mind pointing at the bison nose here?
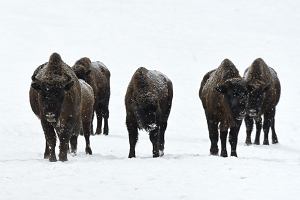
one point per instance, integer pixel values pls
(50, 117)
(252, 113)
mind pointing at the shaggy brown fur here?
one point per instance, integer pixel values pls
(148, 103)
(264, 93)
(98, 76)
(223, 95)
(55, 96)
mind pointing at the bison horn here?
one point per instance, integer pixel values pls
(33, 78)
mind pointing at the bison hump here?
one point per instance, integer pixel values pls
(158, 80)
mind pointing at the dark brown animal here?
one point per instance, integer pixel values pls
(264, 93)
(224, 96)
(148, 103)
(98, 76)
(63, 104)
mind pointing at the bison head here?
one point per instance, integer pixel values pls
(235, 94)
(82, 68)
(81, 72)
(51, 96)
(257, 94)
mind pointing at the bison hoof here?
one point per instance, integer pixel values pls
(63, 157)
(46, 155)
(105, 132)
(248, 142)
(224, 153)
(275, 141)
(155, 155)
(98, 131)
(88, 150)
(214, 152)
(233, 153)
(161, 153)
(257, 142)
(266, 142)
(52, 158)
(73, 153)
(131, 154)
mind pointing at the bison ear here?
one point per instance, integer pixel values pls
(69, 85)
(36, 86)
(221, 88)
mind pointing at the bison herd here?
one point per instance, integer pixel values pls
(65, 99)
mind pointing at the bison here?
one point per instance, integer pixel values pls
(63, 104)
(264, 93)
(224, 96)
(98, 76)
(148, 103)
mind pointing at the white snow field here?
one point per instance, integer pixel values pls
(182, 39)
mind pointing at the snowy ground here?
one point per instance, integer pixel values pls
(182, 39)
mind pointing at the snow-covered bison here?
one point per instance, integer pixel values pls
(224, 96)
(63, 104)
(96, 75)
(264, 93)
(148, 103)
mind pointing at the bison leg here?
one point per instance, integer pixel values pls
(267, 123)
(249, 128)
(73, 142)
(99, 120)
(133, 136)
(105, 115)
(50, 141)
(47, 151)
(87, 132)
(213, 136)
(64, 138)
(92, 128)
(233, 137)
(162, 138)
(274, 135)
(223, 137)
(258, 130)
(155, 139)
